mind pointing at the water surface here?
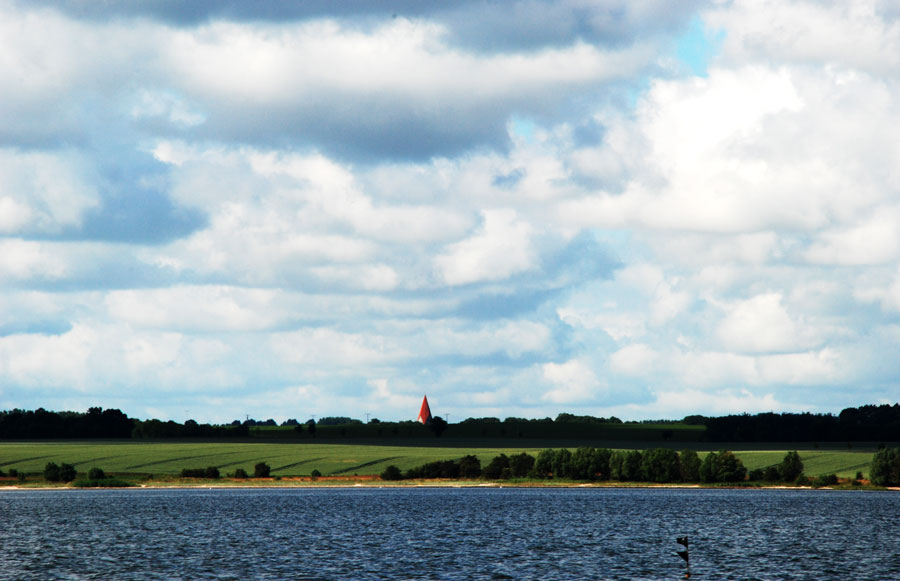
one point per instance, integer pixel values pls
(447, 534)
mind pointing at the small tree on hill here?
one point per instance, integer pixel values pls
(520, 465)
(543, 465)
(631, 467)
(67, 472)
(261, 470)
(885, 468)
(690, 466)
(791, 467)
(729, 467)
(51, 472)
(391, 473)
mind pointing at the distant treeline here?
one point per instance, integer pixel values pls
(41, 424)
(868, 423)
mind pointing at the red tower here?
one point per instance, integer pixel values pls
(425, 412)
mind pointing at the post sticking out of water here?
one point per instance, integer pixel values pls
(685, 554)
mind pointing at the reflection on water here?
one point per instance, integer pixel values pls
(448, 534)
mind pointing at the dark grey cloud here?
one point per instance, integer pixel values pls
(489, 25)
(139, 216)
(359, 128)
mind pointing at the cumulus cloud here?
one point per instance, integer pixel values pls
(501, 248)
(573, 381)
(516, 208)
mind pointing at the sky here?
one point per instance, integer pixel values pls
(639, 208)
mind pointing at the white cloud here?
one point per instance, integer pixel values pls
(501, 248)
(199, 308)
(573, 381)
(635, 360)
(876, 240)
(351, 212)
(762, 325)
(274, 65)
(21, 260)
(43, 192)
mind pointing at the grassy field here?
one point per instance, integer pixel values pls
(171, 458)
(164, 458)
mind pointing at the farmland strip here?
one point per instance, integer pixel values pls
(297, 464)
(363, 465)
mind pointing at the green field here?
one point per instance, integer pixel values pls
(164, 458)
(285, 459)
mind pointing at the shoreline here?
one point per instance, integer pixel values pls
(349, 484)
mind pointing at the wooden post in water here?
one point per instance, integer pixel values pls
(685, 554)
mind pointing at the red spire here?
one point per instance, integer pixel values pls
(425, 412)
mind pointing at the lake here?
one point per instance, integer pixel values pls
(439, 533)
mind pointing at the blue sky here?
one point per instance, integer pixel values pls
(213, 210)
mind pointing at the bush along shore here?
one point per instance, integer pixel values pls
(657, 466)
(654, 466)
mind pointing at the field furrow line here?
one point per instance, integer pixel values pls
(285, 467)
(20, 460)
(176, 459)
(363, 465)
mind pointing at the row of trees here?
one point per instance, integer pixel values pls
(41, 424)
(868, 423)
(659, 465)
(260, 470)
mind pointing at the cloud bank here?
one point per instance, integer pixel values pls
(220, 209)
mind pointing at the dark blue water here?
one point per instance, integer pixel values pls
(447, 534)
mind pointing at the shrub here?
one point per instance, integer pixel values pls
(240, 473)
(825, 480)
(67, 472)
(51, 472)
(497, 469)
(2, 474)
(756, 474)
(96, 474)
(13, 473)
(520, 464)
(209, 472)
(101, 483)
(391, 473)
(261, 470)
(469, 467)
(315, 473)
